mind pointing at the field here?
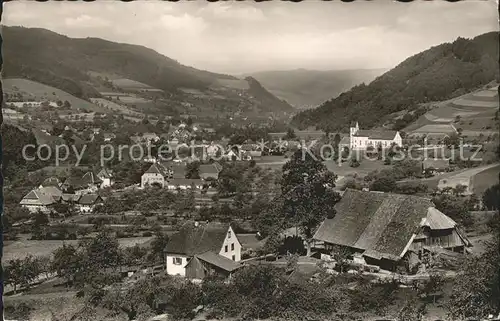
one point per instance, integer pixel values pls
(475, 110)
(487, 178)
(35, 91)
(468, 178)
(23, 248)
(236, 84)
(115, 107)
(129, 84)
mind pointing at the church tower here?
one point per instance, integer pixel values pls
(354, 128)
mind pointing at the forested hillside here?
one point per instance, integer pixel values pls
(61, 61)
(439, 73)
(70, 63)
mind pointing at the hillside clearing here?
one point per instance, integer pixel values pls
(32, 90)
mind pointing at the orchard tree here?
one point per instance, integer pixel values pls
(308, 193)
(21, 272)
(67, 263)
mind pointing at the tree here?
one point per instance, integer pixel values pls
(100, 258)
(337, 139)
(491, 197)
(434, 284)
(477, 287)
(21, 272)
(193, 170)
(290, 134)
(307, 189)
(67, 104)
(67, 263)
(454, 207)
(383, 184)
(459, 190)
(158, 246)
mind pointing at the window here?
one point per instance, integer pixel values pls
(232, 246)
(177, 260)
(229, 234)
(225, 248)
(234, 257)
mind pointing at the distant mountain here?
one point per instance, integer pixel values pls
(69, 63)
(439, 73)
(304, 88)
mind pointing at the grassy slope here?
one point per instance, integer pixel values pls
(36, 91)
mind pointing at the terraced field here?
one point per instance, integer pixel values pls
(475, 112)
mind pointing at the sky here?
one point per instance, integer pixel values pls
(244, 37)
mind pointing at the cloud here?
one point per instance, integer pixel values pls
(86, 21)
(237, 11)
(183, 23)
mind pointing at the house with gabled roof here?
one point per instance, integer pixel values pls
(386, 229)
(41, 199)
(156, 174)
(87, 202)
(202, 249)
(88, 183)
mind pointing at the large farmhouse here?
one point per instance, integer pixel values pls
(199, 250)
(156, 174)
(41, 199)
(362, 139)
(387, 229)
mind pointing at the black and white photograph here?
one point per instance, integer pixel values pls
(250, 160)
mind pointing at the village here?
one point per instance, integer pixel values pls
(209, 211)
(236, 161)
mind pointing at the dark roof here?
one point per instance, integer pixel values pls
(157, 169)
(209, 169)
(179, 170)
(70, 197)
(380, 223)
(376, 134)
(346, 140)
(218, 261)
(251, 241)
(192, 240)
(89, 199)
(75, 182)
(51, 181)
(91, 178)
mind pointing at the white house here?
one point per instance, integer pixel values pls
(361, 139)
(201, 249)
(184, 183)
(157, 173)
(106, 177)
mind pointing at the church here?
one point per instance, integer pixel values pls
(361, 139)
